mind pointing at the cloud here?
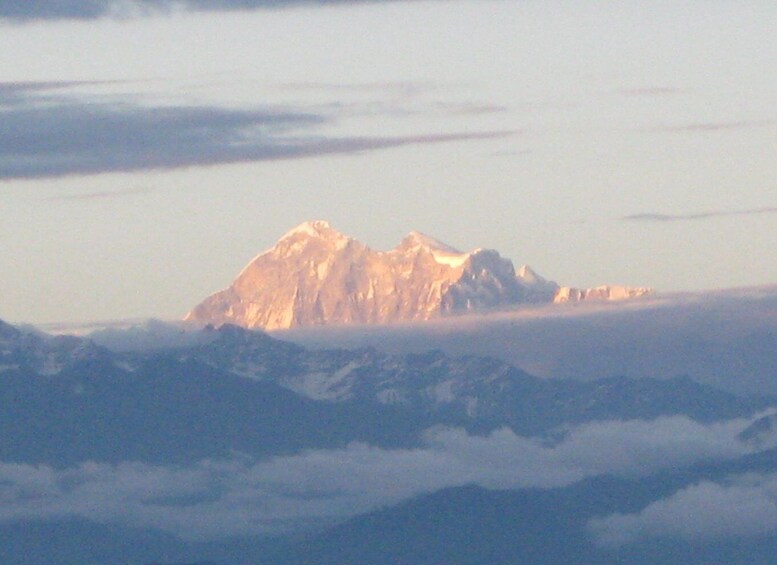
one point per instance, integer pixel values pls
(43, 9)
(743, 506)
(92, 9)
(21, 93)
(510, 153)
(104, 195)
(649, 91)
(61, 136)
(398, 99)
(654, 217)
(243, 496)
(708, 127)
(661, 336)
(13, 87)
(397, 89)
(472, 108)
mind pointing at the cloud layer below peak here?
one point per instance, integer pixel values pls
(741, 507)
(242, 496)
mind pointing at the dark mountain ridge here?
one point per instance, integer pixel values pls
(69, 400)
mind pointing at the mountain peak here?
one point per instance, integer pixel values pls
(315, 275)
(529, 275)
(318, 234)
(416, 239)
(314, 228)
(443, 253)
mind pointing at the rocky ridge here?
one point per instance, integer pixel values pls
(237, 389)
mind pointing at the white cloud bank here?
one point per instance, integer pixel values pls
(743, 506)
(243, 496)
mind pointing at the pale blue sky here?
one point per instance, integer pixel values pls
(535, 128)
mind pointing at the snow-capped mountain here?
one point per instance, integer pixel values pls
(603, 292)
(44, 354)
(238, 390)
(470, 391)
(169, 434)
(315, 275)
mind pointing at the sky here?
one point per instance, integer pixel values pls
(149, 150)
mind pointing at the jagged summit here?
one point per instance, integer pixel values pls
(528, 274)
(315, 228)
(315, 275)
(317, 232)
(418, 240)
(444, 254)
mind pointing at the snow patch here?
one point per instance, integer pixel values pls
(321, 385)
(527, 275)
(321, 270)
(418, 239)
(391, 396)
(450, 259)
(442, 253)
(313, 228)
(443, 392)
(51, 366)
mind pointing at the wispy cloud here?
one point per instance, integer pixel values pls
(104, 194)
(394, 88)
(473, 108)
(28, 10)
(68, 136)
(9, 87)
(649, 91)
(16, 93)
(399, 98)
(510, 153)
(710, 127)
(656, 217)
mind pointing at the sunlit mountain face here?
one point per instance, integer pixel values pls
(315, 275)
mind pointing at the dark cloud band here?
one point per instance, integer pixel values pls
(714, 127)
(72, 137)
(653, 217)
(29, 10)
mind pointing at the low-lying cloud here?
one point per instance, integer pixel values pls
(722, 338)
(743, 506)
(243, 496)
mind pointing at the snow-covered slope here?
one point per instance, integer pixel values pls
(46, 355)
(604, 292)
(315, 275)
